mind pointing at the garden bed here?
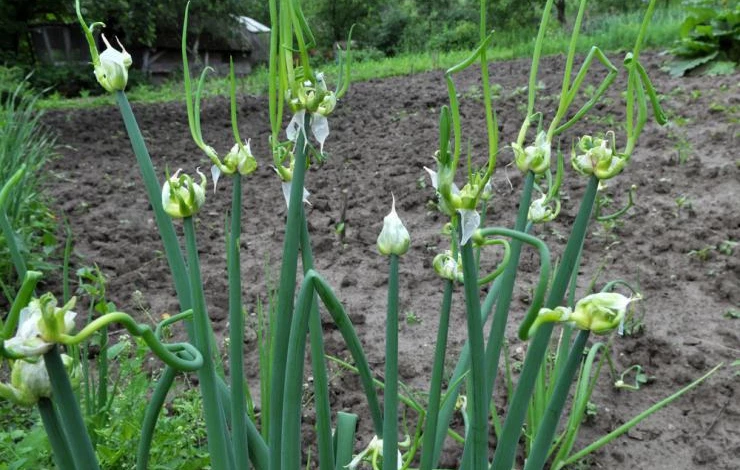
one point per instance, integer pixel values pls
(673, 245)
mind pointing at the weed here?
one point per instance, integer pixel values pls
(412, 318)
(733, 314)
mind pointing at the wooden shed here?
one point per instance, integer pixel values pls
(57, 44)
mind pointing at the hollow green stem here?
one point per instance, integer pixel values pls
(258, 452)
(80, 445)
(154, 192)
(478, 436)
(390, 395)
(218, 433)
(581, 398)
(548, 425)
(532, 88)
(344, 439)
(153, 409)
(236, 331)
(318, 364)
(506, 450)
(291, 422)
(461, 369)
(54, 430)
(286, 291)
(435, 388)
(501, 315)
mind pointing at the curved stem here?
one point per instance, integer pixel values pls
(296, 345)
(166, 352)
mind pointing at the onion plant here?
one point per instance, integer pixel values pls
(36, 330)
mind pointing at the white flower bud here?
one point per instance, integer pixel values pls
(112, 71)
(448, 267)
(394, 238)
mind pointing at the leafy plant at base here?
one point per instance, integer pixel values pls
(710, 38)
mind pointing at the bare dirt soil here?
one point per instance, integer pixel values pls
(673, 244)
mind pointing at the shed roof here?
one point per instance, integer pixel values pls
(252, 25)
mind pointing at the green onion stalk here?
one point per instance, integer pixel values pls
(80, 446)
(286, 291)
(291, 422)
(61, 452)
(218, 436)
(435, 387)
(390, 394)
(239, 439)
(478, 437)
(504, 455)
(326, 445)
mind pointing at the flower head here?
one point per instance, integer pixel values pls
(29, 381)
(462, 202)
(541, 210)
(447, 267)
(39, 325)
(111, 71)
(600, 312)
(240, 159)
(596, 156)
(182, 196)
(394, 239)
(536, 157)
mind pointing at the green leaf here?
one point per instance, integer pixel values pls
(720, 67)
(115, 350)
(678, 68)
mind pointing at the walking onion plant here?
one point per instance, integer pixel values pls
(237, 439)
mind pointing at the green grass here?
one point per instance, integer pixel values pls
(24, 140)
(610, 34)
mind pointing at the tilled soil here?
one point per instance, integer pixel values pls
(672, 244)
